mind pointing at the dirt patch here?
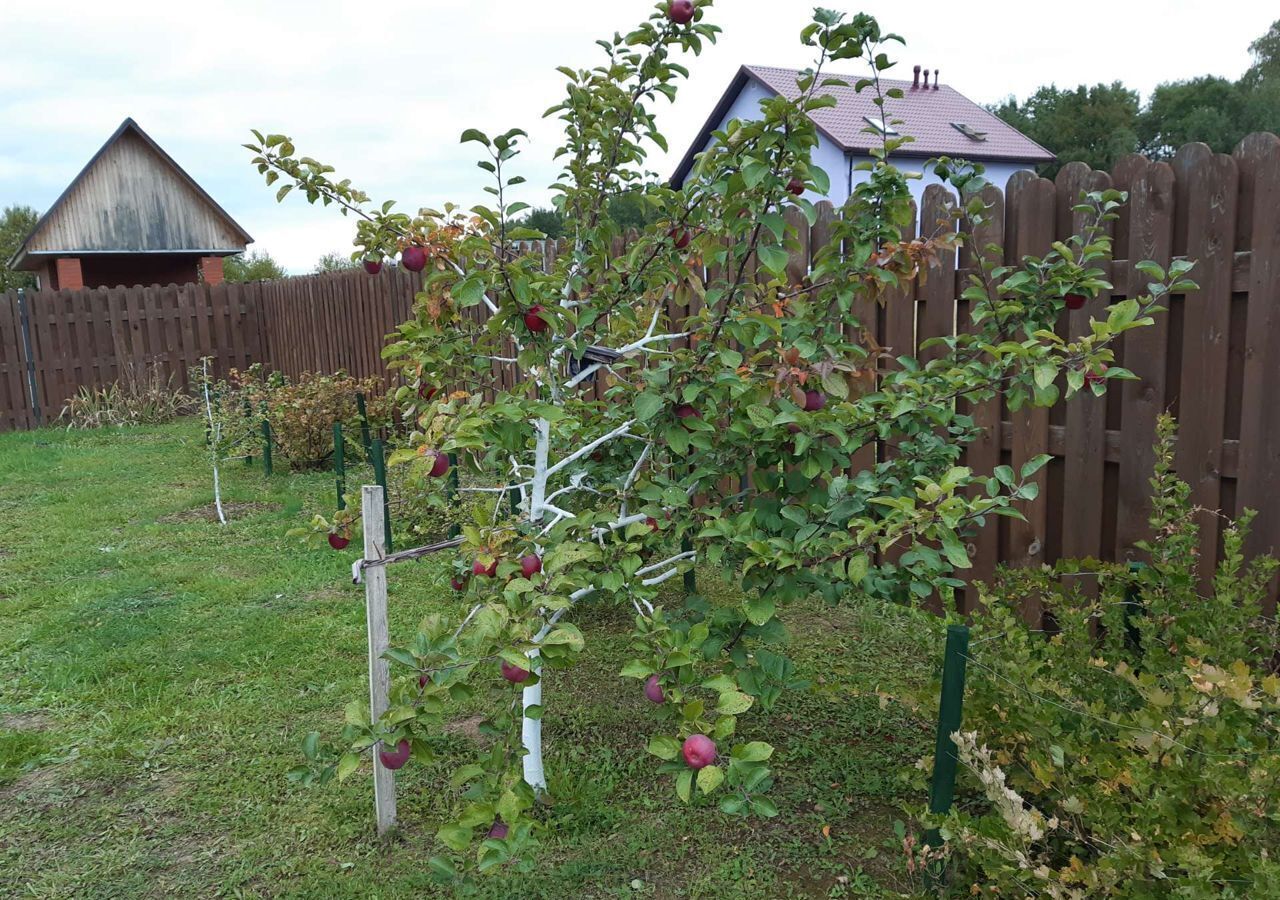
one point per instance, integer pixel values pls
(209, 512)
(469, 728)
(27, 721)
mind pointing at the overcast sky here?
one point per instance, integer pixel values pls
(381, 90)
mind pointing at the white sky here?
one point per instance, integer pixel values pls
(382, 90)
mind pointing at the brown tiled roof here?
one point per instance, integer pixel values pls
(926, 115)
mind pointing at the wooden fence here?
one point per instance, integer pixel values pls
(1209, 359)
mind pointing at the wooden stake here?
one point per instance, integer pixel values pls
(375, 599)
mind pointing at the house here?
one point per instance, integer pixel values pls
(132, 216)
(942, 120)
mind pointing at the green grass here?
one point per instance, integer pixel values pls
(157, 674)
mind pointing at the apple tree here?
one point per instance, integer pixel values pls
(771, 370)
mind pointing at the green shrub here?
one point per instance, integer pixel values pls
(1132, 751)
(303, 410)
(144, 395)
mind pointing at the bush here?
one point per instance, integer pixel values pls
(1133, 751)
(303, 410)
(144, 396)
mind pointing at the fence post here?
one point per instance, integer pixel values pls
(1131, 607)
(24, 320)
(266, 448)
(364, 424)
(373, 497)
(380, 476)
(943, 785)
(339, 466)
(690, 579)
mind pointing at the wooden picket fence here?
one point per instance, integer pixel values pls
(1207, 360)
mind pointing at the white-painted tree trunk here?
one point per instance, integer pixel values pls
(215, 438)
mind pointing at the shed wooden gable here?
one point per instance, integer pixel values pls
(133, 198)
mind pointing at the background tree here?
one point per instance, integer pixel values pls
(1096, 125)
(255, 266)
(547, 219)
(334, 262)
(16, 223)
(1208, 109)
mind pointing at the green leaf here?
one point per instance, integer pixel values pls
(474, 134)
(348, 764)
(732, 703)
(759, 609)
(955, 551)
(664, 747)
(684, 785)
(647, 406)
(774, 259)
(754, 751)
(455, 837)
(710, 778)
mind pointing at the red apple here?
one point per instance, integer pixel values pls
(458, 582)
(1075, 301)
(793, 427)
(679, 237)
(1091, 378)
(394, 759)
(338, 542)
(685, 411)
(423, 680)
(530, 565)
(814, 401)
(440, 465)
(653, 690)
(680, 11)
(699, 751)
(533, 321)
(479, 568)
(373, 266)
(413, 258)
(426, 391)
(651, 522)
(795, 186)
(514, 674)
(498, 831)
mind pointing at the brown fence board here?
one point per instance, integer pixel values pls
(1258, 486)
(1210, 183)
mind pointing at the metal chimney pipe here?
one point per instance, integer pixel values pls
(926, 79)
(937, 73)
(915, 82)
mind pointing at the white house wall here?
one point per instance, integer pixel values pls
(834, 162)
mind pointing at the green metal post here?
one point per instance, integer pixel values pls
(339, 465)
(266, 448)
(380, 476)
(452, 491)
(1130, 608)
(364, 424)
(248, 418)
(943, 786)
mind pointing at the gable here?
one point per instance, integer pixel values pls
(941, 121)
(133, 198)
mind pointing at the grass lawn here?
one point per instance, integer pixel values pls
(158, 672)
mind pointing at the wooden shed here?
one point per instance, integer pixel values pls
(132, 216)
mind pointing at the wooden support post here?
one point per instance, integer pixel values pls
(266, 448)
(339, 466)
(372, 501)
(943, 785)
(690, 579)
(380, 475)
(248, 420)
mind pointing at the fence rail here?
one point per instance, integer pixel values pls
(1210, 360)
